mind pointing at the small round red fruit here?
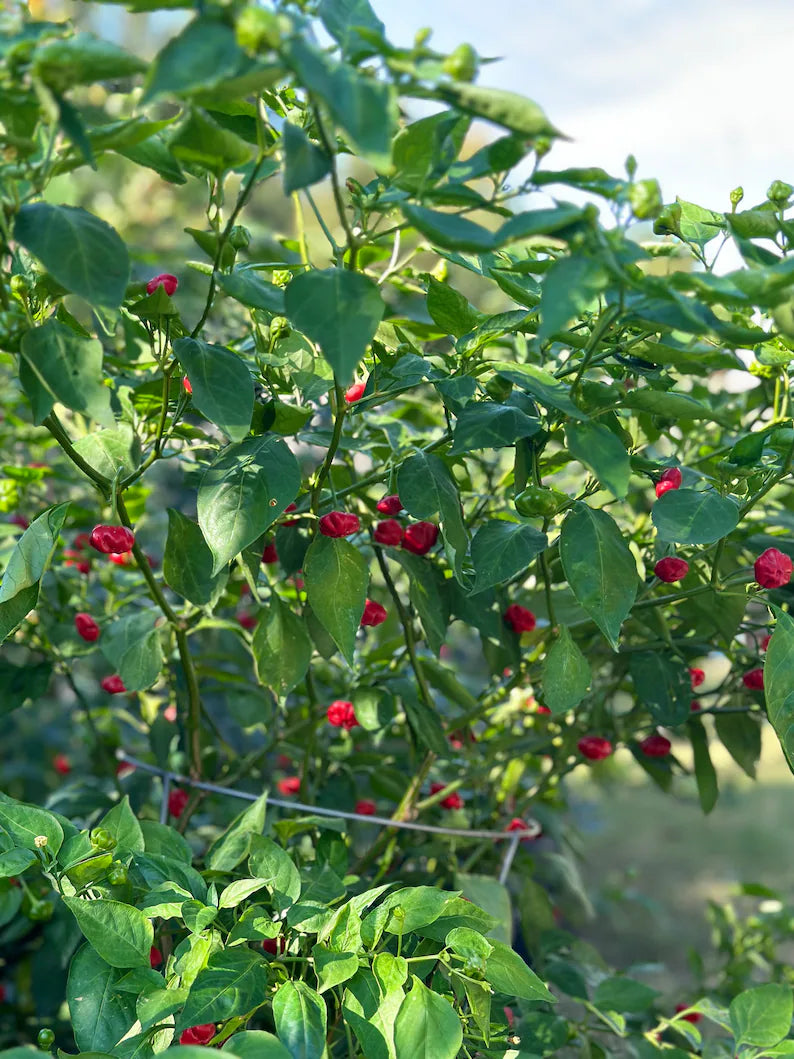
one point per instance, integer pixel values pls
(670, 479)
(595, 747)
(355, 392)
(339, 524)
(374, 613)
(773, 569)
(671, 569)
(86, 627)
(519, 618)
(656, 745)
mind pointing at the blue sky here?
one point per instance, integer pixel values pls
(699, 91)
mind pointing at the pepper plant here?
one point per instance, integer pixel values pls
(403, 510)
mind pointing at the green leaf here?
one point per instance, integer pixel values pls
(598, 448)
(154, 153)
(248, 288)
(223, 389)
(705, 774)
(282, 648)
(187, 562)
(122, 823)
(256, 1044)
(688, 516)
(270, 862)
(599, 567)
(69, 368)
(424, 150)
(156, 1006)
(339, 310)
(15, 862)
(507, 109)
(304, 163)
(233, 983)
(14, 611)
(508, 974)
(566, 674)
(80, 251)
(333, 968)
(663, 684)
(501, 549)
(243, 492)
(761, 1017)
(428, 595)
(487, 425)
(551, 392)
(741, 737)
(121, 934)
(233, 845)
(82, 60)
(449, 230)
(364, 107)
(623, 994)
(493, 906)
(448, 309)
(427, 1026)
(25, 822)
(426, 488)
(423, 721)
(779, 681)
(132, 646)
(669, 405)
(111, 452)
(337, 576)
(301, 1020)
(199, 140)
(341, 17)
(204, 53)
(569, 287)
(101, 1013)
(33, 552)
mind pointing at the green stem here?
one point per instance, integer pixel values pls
(325, 468)
(53, 424)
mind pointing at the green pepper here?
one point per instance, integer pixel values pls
(45, 1039)
(537, 502)
(102, 839)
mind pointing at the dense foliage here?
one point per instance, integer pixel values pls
(408, 522)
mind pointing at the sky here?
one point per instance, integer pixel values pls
(698, 91)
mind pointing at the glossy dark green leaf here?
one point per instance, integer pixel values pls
(101, 1013)
(69, 368)
(233, 982)
(222, 387)
(487, 425)
(15, 862)
(81, 60)
(600, 569)
(123, 825)
(761, 1017)
(449, 230)
(154, 153)
(566, 674)
(200, 141)
(663, 684)
(256, 1044)
(82, 252)
(427, 1026)
(33, 553)
(339, 310)
(741, 737)
(598, 448)
(623, 994)
(242, 493)
(507, 973)
(779, 681)
(204, 53)
(247, 287)
(423, 720)
(449, 309)
(363, 106)
(427, 488)
(187, 562)
(301, 1020)
(341, 17)
(428, 595)
(337, 578)
(688, 516)
(500, 550)
(569, 287)
(705, 773)
(233, 845)
(132, 646)
(304, 163)
(25, 822)
(282, 648)
(504, 108)
(120, 933)
(550, 392)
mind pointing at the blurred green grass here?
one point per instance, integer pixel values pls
(652, 861)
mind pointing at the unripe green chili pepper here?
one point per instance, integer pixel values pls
(117, 875)
(239, 237)
(537, 502)
(45, 1039)
(102, 839)
(40, 912)
(462, 64)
